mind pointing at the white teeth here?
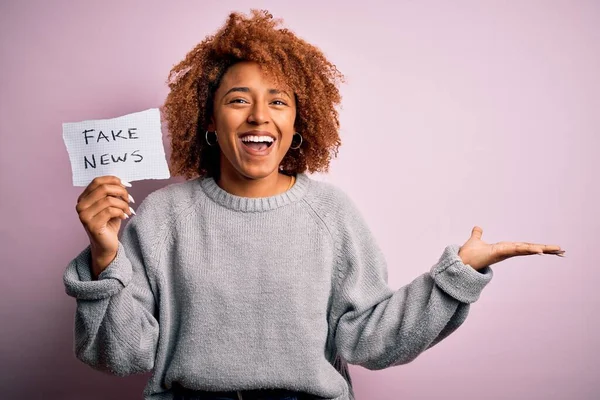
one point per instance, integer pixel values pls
(257, 139)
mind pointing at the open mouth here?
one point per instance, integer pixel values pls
(258, 147)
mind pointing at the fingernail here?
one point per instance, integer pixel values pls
(131, 209)
(126, 216)
(131, 199)
(125, 183)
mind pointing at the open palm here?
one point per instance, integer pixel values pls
(479, 254)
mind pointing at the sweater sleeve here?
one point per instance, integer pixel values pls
(376, 327)
(116, 326)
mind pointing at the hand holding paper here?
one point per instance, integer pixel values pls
(129, 147)
(101, 207)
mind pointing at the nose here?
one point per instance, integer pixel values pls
(259, 114)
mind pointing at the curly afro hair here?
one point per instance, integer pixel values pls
(282, 56)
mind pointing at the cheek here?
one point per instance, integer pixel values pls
(230, 120)
(286, 123)
(226, 125)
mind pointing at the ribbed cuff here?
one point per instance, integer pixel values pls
(78, 276)
(460, 281)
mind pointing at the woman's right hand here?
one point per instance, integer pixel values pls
(101, 207)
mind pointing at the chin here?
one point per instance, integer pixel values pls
(259, 171)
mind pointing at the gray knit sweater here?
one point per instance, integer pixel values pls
(220, 292)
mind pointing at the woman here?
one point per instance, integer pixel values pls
(250, 280)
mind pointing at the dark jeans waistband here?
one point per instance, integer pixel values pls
(182, 393)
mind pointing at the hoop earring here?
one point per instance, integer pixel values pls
(300, 144)
(206, 138)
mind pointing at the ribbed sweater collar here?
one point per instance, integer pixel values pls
(255, 204)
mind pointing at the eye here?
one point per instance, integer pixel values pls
(282, 103)
(238, 100)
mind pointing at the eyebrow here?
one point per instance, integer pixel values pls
(247, 90)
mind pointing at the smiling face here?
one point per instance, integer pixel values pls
(254, 121)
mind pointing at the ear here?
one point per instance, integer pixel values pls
(211, 126)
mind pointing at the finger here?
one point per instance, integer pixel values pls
(554, 249)
(477, 232)
(110, 190)
(104, 216)
(100, 192)
(539, 248)
(529, 248)
(506, 250)
(525, 248)
(111, 201)
(96, 210)
(97, 181)
(101, 180)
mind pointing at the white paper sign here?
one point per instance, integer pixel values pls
(129, 147)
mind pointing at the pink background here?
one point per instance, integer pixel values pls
(455, 114)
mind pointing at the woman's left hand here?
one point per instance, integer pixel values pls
(478, 254)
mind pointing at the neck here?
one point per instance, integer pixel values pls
(239, 185)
